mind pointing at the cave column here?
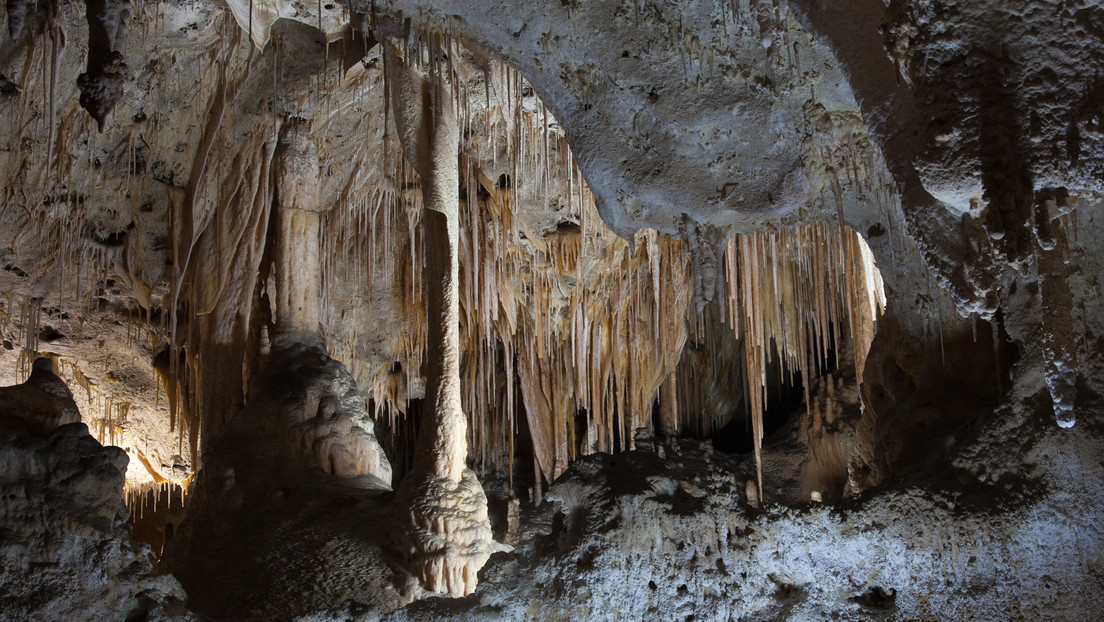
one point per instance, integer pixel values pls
(443, 445)
(444, 531)
(298, 260)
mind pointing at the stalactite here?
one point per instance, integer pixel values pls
(578, 320)
(711, 386)
(798, 291)
(30, 314)
(101, 85)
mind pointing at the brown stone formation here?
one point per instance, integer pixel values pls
(710, 309)
(298, 242)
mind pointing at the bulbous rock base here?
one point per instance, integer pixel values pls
(443, 530)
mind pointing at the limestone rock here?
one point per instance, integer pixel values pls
(443, 531)
(65, 546)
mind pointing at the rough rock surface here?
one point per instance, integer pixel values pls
(65, 546)
(444, 531)
(636, 537)
(962, 139)
(656, 109)
(290, 490)
(305, 413)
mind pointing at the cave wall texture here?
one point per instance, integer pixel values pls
(631, 309)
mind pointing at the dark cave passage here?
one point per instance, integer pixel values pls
(785, 398)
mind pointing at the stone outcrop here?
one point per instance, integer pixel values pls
(65, 546)
(523, 239)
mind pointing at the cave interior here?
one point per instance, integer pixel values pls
(551, 310)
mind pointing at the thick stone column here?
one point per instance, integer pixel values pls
(444, 448)
(302, 446)
(298, 262)
(443, 526)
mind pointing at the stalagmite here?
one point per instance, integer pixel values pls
(334, 430)
(1059, 344)
(830, 438)
(444, 529)
(305, 424)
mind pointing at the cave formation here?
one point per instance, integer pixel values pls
(707, 309)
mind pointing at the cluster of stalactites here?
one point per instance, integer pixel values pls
(154, 496)
(573, 323)
(575, 319)
(605, 351)
(798, 294)
(581, 329)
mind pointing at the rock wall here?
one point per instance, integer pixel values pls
(65, 546)
(961, 140)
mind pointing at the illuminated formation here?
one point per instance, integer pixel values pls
(450, 538)
(710, 309)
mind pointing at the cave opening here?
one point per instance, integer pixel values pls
(785, 395)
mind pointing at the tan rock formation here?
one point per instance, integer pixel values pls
(298, 263)
(442, 524)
